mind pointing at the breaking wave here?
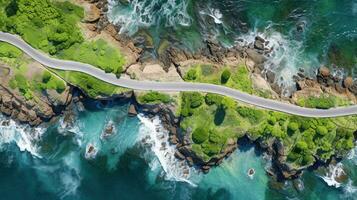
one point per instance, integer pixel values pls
(286, 59)
(156, 137)
(145, 13)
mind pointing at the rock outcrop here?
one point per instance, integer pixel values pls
(33, 111)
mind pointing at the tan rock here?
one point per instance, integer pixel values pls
(324, 71)
(348, 82)
(92, 14)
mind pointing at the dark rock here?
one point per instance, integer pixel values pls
(270, 76)
(179, 155)
(339, 88)
(132, 111)
(256, 57)
(259, 43)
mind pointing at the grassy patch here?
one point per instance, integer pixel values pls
(97, 53)
(9, 51)
(52, 27)
(154, 97)
(322, 102)
(50, 81)
(236, 77)
(93, 87)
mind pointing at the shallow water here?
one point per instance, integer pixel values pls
(51, 164)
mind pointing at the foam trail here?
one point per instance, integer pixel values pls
(285, 60)
(24, 136)
(334, 172)
(156, 137)
(145, 13)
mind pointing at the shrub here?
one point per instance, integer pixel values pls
(293, 126)
(217, 137)
(60, 86)
(191, 75)
(46, 77)
(200, 135)
(321, 130)
(301, 145)
(211, 99)
(9, 51)
(253, 115)
(190, 101)
(155, 97)
(211, 149)
(226, 74)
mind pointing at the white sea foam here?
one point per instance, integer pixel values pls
(145, 13)
(286, 58)
(214, 13)
(24, 136)
(333, 173)
(156, 137)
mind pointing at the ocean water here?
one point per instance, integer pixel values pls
(304, 33)
(50, 163)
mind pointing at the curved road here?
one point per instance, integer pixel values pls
(173, 86)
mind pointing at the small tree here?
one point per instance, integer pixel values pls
(293, 126)
(46, 76)
(226, 74)
(200, 135)
(191, 75)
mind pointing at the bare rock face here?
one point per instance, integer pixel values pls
(33, 111)
(348, 82)
(132, 111)
(92, 14)
(324, 71)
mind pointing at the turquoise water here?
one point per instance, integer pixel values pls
(305, 34)
(50, 163)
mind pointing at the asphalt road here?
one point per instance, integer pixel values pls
(173, 86)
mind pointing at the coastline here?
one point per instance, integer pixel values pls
(216, 54)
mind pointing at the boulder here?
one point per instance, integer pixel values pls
(324, 71)
(132, 111)
(255, 56)
(93, 14)
(348, 82)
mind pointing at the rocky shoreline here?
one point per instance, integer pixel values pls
(173, 57)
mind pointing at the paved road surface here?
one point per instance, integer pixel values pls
(173, 86)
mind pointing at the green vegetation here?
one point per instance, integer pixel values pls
(154, 97)
(231, 76)
(218, 119)
(97, 53)
(93, 87)
(20, 82)
(189, 102)
(226, 74)
(52, 27)
(200, 135)
(49, 81)
(27, 83)
(322, 102)
(191, 75)
(48, 26)
(9, 51)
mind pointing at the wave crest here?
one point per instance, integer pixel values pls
(145, 13)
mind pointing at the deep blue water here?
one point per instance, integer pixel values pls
(50, 164)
